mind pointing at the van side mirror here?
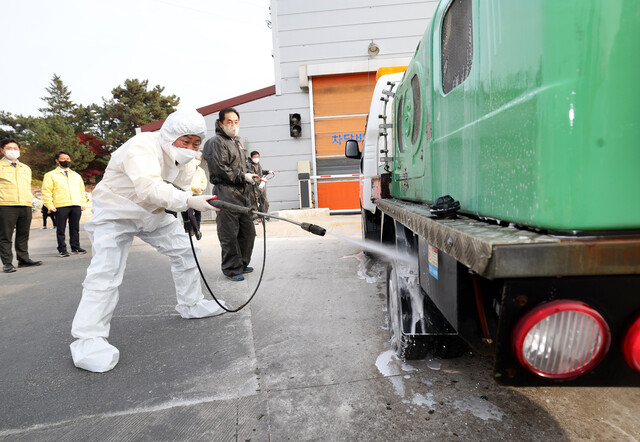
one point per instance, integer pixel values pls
(351, 150)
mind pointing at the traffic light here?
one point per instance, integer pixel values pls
(295, 128)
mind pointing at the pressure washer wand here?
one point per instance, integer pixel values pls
(219, 204)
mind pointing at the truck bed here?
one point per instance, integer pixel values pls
(493, 251)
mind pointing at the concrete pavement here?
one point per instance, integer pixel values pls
(308, 359)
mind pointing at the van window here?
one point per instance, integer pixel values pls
(456, 44)
(417, 108)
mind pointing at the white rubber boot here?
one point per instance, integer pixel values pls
(94, 354)
(201, 309)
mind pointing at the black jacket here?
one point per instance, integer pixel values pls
(227, 164)
(254, 168)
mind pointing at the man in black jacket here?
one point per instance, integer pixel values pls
(258, 198)
(231, 180)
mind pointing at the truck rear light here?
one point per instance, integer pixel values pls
(561, 339)
(631, 345)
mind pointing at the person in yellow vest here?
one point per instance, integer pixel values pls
(63, 193)
(15, 206)
(198, 185)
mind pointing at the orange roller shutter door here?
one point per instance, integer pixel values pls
(340, 104)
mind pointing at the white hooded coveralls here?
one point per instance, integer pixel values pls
(130, 201)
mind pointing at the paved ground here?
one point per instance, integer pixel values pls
(307, 360)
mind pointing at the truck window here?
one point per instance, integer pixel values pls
(399, 123)
(417, 108)
(456, 44)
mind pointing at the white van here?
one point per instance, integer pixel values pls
(376, 156)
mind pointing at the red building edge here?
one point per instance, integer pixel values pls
(215, 107)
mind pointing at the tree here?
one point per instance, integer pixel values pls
(89, 120)
(133, 106)
(18, 127)
(59, 100)
(54, 134)
(95, 169)
(87, 133)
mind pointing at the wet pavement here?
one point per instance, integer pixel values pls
(308, 359)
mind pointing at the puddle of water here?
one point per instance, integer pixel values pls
(480, 408)
(408, 367)
(434, 365)
(422, 401)
(385, 363)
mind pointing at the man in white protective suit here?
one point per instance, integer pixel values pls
(130, 201)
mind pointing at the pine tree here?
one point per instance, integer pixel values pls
(54, 134)
(59, 100)
(133, 106)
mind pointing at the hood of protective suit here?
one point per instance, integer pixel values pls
(180, 123)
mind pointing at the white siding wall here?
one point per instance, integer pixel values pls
(312, 33)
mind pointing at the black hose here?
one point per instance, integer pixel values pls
(312, 228)
(264, 261)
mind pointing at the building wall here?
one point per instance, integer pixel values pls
(334, 31)
(331, 36)
(312, 39)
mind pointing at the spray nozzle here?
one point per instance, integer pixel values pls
(316, 230)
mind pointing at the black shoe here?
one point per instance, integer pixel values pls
(29, 263)
(9, 268)
(78, 251)
(63, 254)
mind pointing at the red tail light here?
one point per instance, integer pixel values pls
(631, 345)
(561, 339)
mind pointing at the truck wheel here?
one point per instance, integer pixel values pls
(405, 346)
(370, 225)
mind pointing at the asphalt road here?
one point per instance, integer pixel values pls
(308, 359)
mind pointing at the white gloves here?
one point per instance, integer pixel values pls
(249, 178)
(199, 202)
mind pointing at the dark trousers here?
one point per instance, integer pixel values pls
(237, 234)
(72, 214)
(264, 203)
(16, 218)
(258, 200)
(46, 214)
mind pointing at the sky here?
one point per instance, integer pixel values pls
(202, 51)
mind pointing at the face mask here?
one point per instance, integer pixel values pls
(12, 154)
(183, 156)
(255, 160)
(65, 164)
(231, 131)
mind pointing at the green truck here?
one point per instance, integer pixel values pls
(512, 180)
